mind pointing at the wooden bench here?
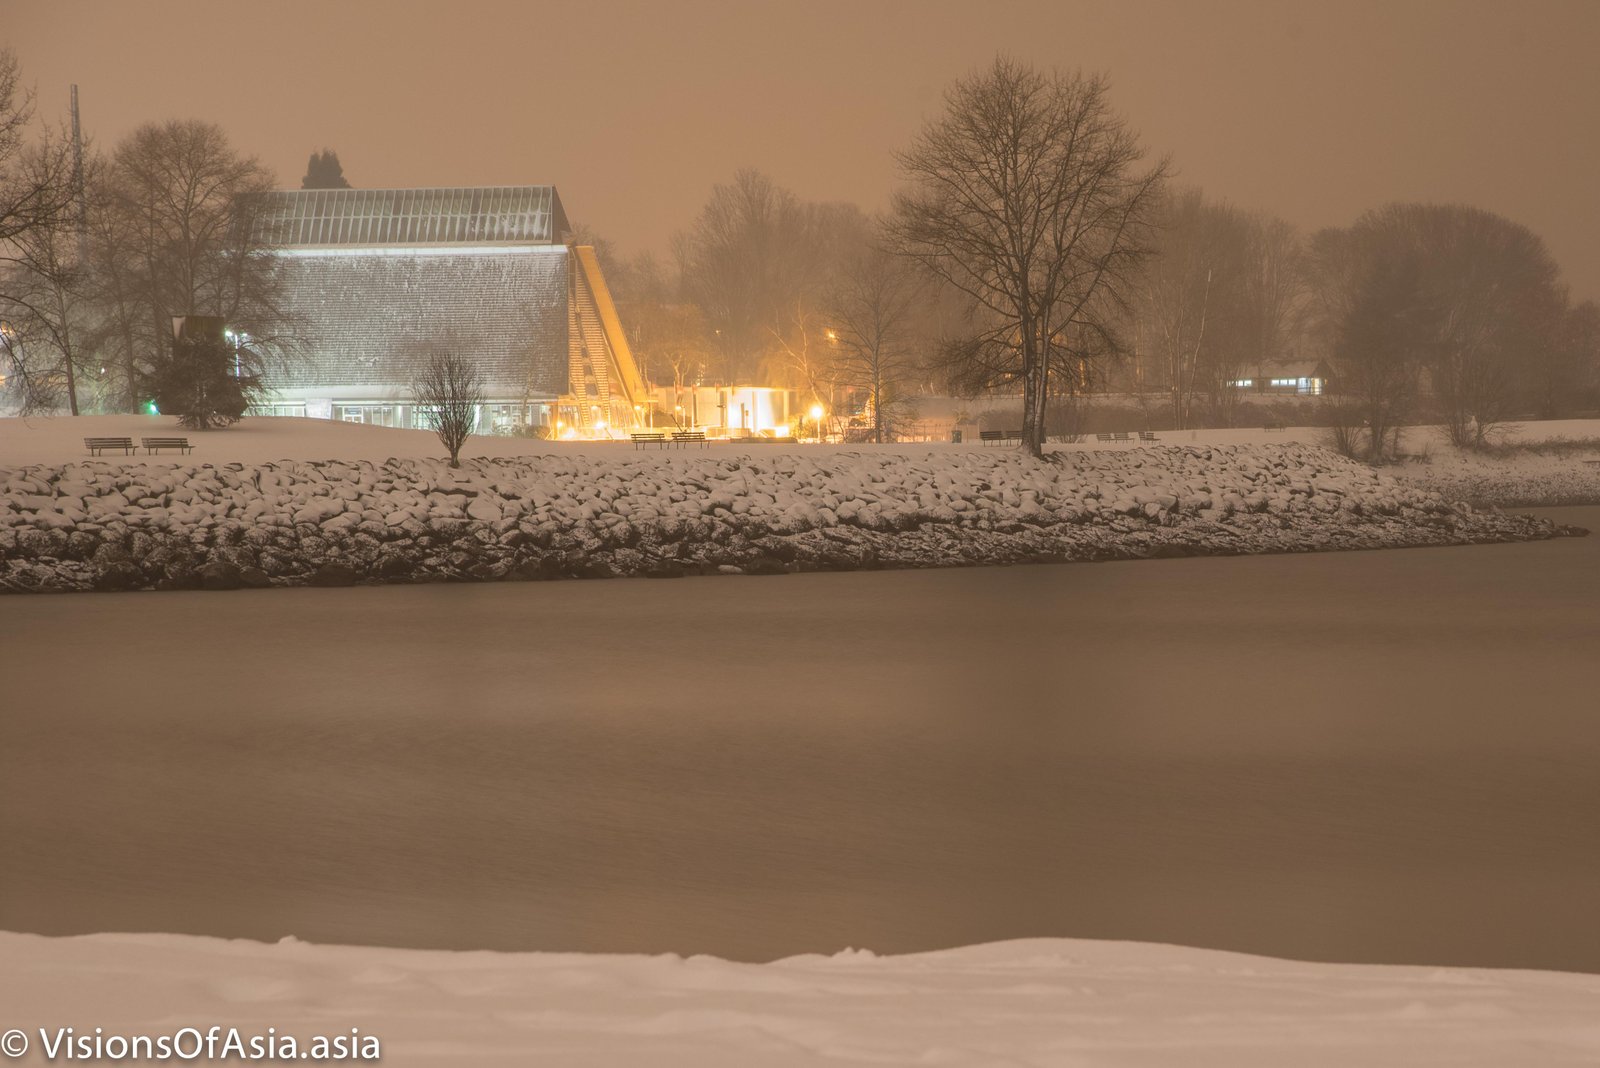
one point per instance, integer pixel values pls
(987, 436)
(684, 438)
(97, 445)
(1117, 436)
(640, 440)
(1275, 426)
(1148, 435)
(157, 444)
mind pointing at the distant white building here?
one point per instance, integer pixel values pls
(377, 279)
(1305, 378)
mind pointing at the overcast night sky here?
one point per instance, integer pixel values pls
(1313, 111)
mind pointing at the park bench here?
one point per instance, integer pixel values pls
(97, 445)
(1274, 425)
(986, 436)
(157, 444)
(1148, 435)
(1117, 436)
(684, 438)
(640, 440)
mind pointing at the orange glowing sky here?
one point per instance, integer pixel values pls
(633, 110)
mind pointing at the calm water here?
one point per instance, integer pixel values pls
(1375, 756)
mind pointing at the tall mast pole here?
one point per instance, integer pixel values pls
(83, 235)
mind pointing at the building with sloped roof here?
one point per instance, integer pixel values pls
(375, 281)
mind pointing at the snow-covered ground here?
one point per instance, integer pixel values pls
(1043, 1002)
(605, 509)
(59, 440)
(1552, 472)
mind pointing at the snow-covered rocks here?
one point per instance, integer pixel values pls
(116, 525)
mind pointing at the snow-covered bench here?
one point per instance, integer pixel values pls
(98, 445)
(157, 444)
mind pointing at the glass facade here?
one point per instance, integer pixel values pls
(373, 218)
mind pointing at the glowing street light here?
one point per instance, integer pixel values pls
(816, 415)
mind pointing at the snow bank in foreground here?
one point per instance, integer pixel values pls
(116, 525)
(1037, 1002)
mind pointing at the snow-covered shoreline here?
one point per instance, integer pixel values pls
(1034, 1002)
(1526, 478)
(118, 525)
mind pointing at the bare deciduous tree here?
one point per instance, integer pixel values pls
(1565, 376)
(37, 270)
(1493, 302)
(1189, 291)
(758, 263)
(173, 232)
(743, 263)
(1213, 303)
(872, 311)
(1453, 295)
(30, 196)
(47, 299)
(1026, 196)
(449, 391)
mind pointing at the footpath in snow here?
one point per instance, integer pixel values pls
(121, 525)
(1055, 1002)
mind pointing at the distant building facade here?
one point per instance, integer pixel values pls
(377, 280)
(1306, 378)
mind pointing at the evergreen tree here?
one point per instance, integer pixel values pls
(323, 171)
(205, 381)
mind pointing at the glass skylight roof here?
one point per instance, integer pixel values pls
(372, 218)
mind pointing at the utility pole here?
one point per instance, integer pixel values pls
(83, 234)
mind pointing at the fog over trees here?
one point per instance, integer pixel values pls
(1449, 302)
(96, 262)
(1035, 253)
(175, 234)
(38, 267)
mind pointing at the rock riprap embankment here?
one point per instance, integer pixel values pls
(105, 525)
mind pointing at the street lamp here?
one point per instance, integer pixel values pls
(816, 416)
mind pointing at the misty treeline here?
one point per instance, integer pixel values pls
(96, 260)
(1033, 251)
